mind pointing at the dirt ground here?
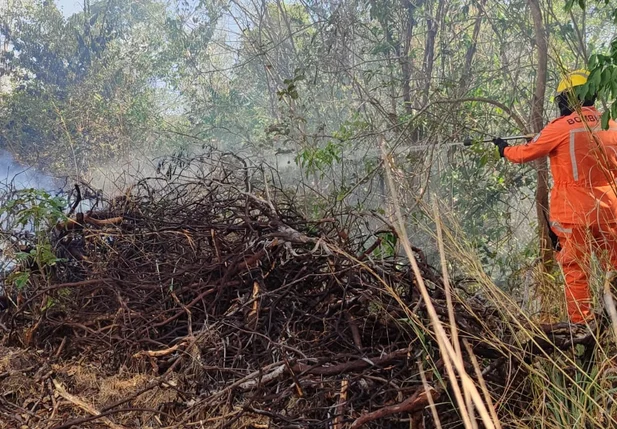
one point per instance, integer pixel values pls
(37, 391)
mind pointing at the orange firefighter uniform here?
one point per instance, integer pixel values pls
(583, 209)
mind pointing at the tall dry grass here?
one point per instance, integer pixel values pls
(574, 388)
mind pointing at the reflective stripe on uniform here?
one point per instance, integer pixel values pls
(556, 226)
(573, 153)
(573, 148)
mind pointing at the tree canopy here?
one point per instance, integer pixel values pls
(310, 87)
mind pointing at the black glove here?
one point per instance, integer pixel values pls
(501, 144)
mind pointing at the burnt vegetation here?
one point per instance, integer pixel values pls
(216, 285)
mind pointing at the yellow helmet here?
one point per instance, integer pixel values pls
(572, 79)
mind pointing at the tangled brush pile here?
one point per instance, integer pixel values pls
(225, 292)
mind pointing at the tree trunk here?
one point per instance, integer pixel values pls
(432, 23)
(537, 123)
(403, 55)
(466, 74)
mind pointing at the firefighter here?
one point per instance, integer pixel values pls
(583, 204)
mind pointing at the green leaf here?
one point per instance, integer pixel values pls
(614, 110)
(582, 91)
(596, 77)
(605, 118)
(606, 78)
(614, 82)
(594, 80)
(48, 304)
(21, 279)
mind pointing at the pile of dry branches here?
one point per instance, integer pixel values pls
(230, 296)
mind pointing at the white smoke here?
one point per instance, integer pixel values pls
(18, 176)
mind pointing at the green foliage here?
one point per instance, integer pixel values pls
(581, 3)
(33, 209)
(584, 3)
(316, 160)
(35, 212)
(350, 128)
(20, 279)
(291, 89)
(386, 247)
(602, 80)
(84, 89)
(486, 193)
(575, 392)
